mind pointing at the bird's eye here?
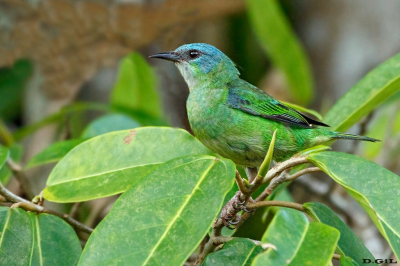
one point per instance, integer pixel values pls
(194, 54)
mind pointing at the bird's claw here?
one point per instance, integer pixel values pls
(229, 222)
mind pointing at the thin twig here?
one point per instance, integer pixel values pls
(16, 169)
(336, 257)
(303, 172)
(29, 206)
(223, 239)
(276, 203)
(230, 210)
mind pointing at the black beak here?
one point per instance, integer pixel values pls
(170, 56)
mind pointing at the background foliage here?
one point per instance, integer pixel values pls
(84, 117)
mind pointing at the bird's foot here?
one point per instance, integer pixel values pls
(230, 222)
(240, 205)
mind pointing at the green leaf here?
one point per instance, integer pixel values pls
(4, 154)
(376, 87)
(135, 88)
(111, 163)
(36, 239)
(109, 123)
(278, 39)
(15, 154)
(163, 218)
(349, 244)
(54, 152)
(347, 261)
(59, 116)
(314, 149)
(297, 241)
(373, 186)
(303, 110)
(237, 252)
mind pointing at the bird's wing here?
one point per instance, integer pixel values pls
(254, 101)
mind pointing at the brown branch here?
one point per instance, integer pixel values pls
(241, 198)
(276, 203)
(336, 257)
(303, 172)
(29, 206)
(239, 181)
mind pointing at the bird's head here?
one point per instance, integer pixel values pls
(201, 63)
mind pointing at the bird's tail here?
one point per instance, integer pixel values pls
(351, 136)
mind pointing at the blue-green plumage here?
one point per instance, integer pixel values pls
(234, 118)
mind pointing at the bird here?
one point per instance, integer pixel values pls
(237, 120)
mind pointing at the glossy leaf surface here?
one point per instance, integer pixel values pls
(31, 239)
(237, 252)
(111, 163)
(373, 186)
(376, 87)
(298, 242)
(163, 218)
(349, 244)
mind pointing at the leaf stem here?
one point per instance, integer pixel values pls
(29, 206)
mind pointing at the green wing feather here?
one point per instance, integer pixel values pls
(249, 99)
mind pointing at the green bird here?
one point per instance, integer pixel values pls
(236, 119)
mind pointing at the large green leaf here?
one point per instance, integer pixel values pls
(376, 87)
(4, 154)
(111, 163)
(374, 187)
(36, 239)
(162, 219)
(54, 152)
(349, 244)
(297, 241)
(237, 252)
(278, 39)
(135, 88)
(109, 123)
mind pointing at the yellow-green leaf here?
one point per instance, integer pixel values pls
(374, 187)
(111, 163)
(162, 219)
(376, 87)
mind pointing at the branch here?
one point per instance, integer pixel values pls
(29, 206)
(280, 167)
(276, 203)
(303, 172)
(241, 198)
(336, 257)
(16, 169)
(239, 181)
